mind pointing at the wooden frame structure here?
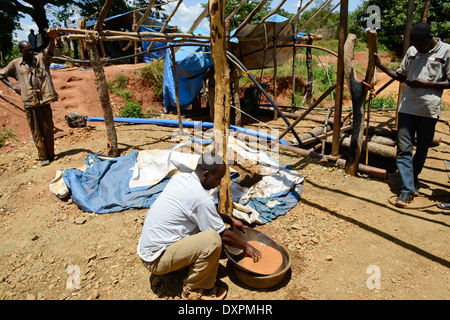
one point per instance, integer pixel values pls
(224, 75)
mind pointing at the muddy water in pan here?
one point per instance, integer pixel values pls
(269, 262)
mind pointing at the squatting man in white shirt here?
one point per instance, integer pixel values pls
(183, 228)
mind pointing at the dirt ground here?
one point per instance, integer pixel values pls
(345, 239)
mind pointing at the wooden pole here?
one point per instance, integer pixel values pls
(309, 67)
(236, 97)
(250, 16)
(135, 44)
(175, 78)
(354, 154)
(275, 70)
(222, 98)
(294, 53)
(339, 80)
(163, 29)
(324, 17)
(136, 25)
(102, 15)
(105, 102)
(102, 87)
(424, 13)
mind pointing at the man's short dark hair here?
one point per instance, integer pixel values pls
(209, 161)
(22, 44)
(420, 31)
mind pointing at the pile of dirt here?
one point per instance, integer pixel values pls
(345, 239)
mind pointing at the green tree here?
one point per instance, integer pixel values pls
(8, 24)
(393, 20)
(43, 10)
(244, 11)
(34, 8)
(328, 26)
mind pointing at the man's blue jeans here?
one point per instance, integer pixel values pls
(409, 166)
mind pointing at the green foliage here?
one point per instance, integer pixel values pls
(245, 11)
(119, 86)
(328, 28)
(8, 23)
(153, 75)
(12, 54)
(325, 76)
(383, 102)
(132, 109)
(6, 134)
(394, 17)
(89, 7)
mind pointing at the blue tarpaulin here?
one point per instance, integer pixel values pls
(104, 186)
(134, 181)
(192, 62)
(154, 55)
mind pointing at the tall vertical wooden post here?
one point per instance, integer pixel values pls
(177, 97)
(236, 97)
(343, 16)
(293, 56)
(105, 102)
(135, 44)
(222, 102)
(354, 153)
(309, 67)
(275, 69)
(102, 87)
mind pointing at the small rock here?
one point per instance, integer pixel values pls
(329, 258)
(35, 238)
(303, 240)
(80, 220)
(91, 257)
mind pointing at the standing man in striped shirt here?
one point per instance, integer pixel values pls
(425, 70)
(36, 88)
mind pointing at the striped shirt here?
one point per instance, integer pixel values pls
(35, 82)
(434, 66)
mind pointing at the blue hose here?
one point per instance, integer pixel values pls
(190, 124)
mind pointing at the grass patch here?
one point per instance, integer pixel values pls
(5, 135)
(119, 86)
(383, 102)
(132, 108)
(153, 75)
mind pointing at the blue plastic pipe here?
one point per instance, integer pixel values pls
(190, 124)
